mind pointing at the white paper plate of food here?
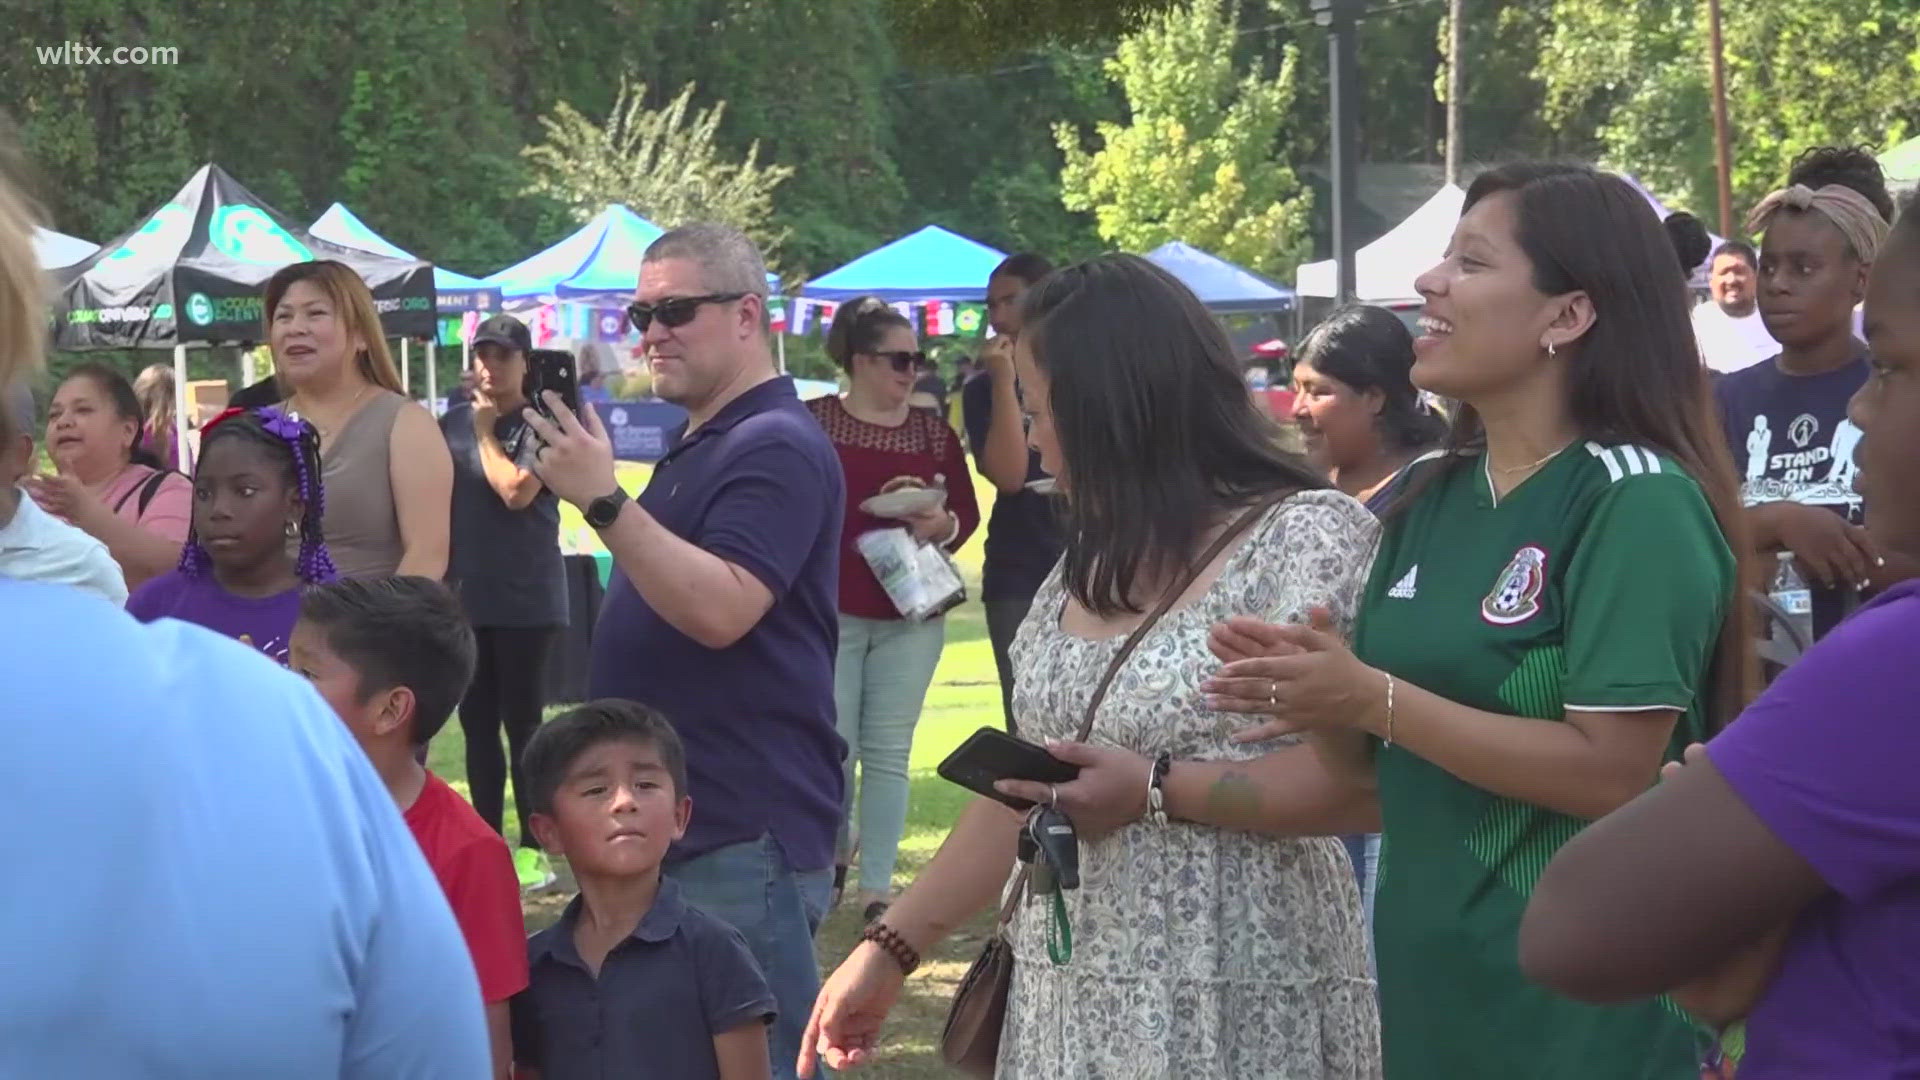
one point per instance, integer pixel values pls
(904, 496)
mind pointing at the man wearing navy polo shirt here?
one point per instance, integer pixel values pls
(722, 608)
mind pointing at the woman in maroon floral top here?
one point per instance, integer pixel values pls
(886, 662)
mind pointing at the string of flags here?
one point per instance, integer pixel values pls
(785, 315)
(930, 318)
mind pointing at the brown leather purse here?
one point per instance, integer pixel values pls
(970, 1041)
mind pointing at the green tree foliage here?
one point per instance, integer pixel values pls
(977, 32)
(978, 151)
(1199, 158)
(659, 163)
(1798, 75)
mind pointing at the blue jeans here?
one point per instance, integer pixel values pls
(880, 682)
(777, 909)
(1364, 850)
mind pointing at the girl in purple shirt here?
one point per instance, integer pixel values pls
(256, 494)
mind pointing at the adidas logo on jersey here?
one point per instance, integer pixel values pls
(1406, 586)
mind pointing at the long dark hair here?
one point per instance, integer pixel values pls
(295, 445)
(1369, 348)
(1159, 434)
(858, 326)
(126, 406)
(1635, 376)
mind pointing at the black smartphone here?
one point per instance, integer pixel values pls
(991, 754)
(555, 370)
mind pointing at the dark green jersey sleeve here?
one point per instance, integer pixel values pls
(1646, 594)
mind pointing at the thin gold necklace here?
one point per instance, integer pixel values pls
(327, 432)
(1508, 471)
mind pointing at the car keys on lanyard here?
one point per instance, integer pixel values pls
(1049, 844)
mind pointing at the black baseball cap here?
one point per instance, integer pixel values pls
(504, 330)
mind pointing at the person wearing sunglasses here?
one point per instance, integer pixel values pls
(721, 611)
(886, 662)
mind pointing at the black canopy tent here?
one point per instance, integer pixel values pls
(194, 271)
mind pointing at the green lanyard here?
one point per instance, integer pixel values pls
(1059, 932)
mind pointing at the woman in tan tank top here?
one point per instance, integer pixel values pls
(387, 475)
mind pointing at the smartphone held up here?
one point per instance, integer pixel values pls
(555, 370)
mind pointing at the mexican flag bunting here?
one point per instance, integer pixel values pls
(970, 319)
(826, 316)
(777, 315)
(939, 318)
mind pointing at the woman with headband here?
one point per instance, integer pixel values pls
(1786, 418)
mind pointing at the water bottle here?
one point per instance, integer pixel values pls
(1790, 592)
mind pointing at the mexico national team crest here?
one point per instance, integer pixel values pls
(1516, 593)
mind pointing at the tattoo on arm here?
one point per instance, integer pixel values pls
(1233, 797)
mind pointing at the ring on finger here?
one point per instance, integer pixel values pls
(1273, 693)
(1053, 795)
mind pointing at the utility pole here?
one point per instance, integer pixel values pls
(1338, 17)
(1455, 85)
(1723, 153)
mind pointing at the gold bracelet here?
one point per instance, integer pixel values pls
(1389, 740)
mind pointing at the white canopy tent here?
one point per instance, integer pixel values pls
(1387, 267)
(57, 249)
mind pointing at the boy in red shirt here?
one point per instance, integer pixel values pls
(393, 656)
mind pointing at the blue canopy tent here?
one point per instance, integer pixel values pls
(932, 264)
(1219, 284)
(454, 292)
(597, 264)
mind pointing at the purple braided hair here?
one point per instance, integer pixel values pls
(302, 443)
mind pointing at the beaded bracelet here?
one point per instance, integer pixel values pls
(893, 945)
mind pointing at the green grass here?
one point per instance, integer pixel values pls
(965, 695)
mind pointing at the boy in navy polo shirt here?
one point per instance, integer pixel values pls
(631, 981)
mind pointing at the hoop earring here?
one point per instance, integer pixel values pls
(1549, 350)
(293, 530)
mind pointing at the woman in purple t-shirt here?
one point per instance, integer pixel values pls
(255, 493)
(1775, 878)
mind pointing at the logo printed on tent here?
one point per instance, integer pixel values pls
(200, 309)
(248, 234)
(160, 236)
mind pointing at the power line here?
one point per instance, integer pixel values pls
(1289, 24)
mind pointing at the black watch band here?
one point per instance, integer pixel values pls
(602, 511)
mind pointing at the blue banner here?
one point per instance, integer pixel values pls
(639, 428)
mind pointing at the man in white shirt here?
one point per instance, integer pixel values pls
(1728, 326)
(35, 545)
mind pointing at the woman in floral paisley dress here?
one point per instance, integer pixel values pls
(1225, 941)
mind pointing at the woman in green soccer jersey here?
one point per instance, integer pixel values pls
(1552, 613)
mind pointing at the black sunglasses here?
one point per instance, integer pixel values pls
(903, 362)
(676, 312)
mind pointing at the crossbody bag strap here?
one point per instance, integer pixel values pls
(1167, 600)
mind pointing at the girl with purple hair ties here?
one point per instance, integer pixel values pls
(256, 495)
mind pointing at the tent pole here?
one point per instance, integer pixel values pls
(433, 373)
(180, 397)
(780, 339)
(406, 375)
